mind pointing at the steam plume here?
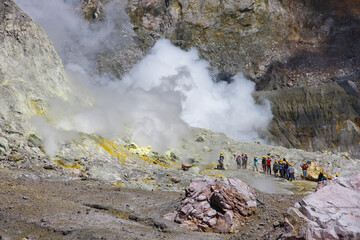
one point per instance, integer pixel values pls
(155, 102)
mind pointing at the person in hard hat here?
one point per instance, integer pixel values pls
(244, 161)
(238, 162)
(291, 172)
(276, 168)
(255, 166)
(268, 165)
(321, 175)
(324, 178)
(337, 176)
(286, 166)
(263, 162)
(221, 161)
(304, 169)
(281, 168)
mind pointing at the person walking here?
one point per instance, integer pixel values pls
(263, 162)
(238, 162)
(286, 166)
(291, 172)
(255, 166)
(281, 169)
(268, 165)
(276, 167)
(221, 162)
(304, 169)
(244, 161)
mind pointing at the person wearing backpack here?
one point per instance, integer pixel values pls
(263, 162)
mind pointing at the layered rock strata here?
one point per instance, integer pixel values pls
(314, 119)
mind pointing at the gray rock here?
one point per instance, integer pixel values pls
(4, 143)
(35, 140)
(175, 179)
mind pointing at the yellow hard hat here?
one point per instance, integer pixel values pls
(264, 157)
(337, 175)
(245, 153)
(255, 156)
(275, 161)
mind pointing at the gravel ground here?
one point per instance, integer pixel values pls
(76, 209)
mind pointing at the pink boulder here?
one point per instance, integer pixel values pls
(332, 212)
(215, 205)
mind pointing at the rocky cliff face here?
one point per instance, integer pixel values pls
(279, 45)
(30, 70)
(306, 42)
(314, 119)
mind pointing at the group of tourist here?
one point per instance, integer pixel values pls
(281, 168)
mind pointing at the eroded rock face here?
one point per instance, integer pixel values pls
(314, 119)
(306, 42)
(332, 212)
(30, 69)
(215, 205)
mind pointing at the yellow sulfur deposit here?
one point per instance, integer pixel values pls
(38, 108)
(111, 148)
(72, 166)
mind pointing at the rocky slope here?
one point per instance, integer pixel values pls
(31, 72)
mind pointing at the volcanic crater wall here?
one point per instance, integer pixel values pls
(296, 46)
(292, 47)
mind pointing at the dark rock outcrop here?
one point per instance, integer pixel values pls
(215, 205)
(315, 118)
(332, 212)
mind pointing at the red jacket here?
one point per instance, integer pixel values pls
(268, 161)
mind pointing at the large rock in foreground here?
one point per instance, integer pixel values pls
(333, 212)
(215, 205)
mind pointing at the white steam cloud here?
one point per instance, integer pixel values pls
(155, 102)
(219, 106)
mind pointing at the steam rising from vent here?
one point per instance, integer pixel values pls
(155, 102)
(221, 107)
